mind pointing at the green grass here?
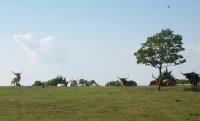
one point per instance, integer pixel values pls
(99, 104)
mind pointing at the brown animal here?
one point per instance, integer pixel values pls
(167, 82)
(127, 83)
(164, 82)
(153, 82)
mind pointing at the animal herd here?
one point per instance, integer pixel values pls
(192, 77)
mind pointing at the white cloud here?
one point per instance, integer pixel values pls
(45, 43)
(24, 38)
(32, 46)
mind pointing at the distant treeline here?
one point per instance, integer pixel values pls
(62, 80)
(82, 82)
(182, 81)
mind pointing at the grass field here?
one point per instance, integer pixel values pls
(99, 104)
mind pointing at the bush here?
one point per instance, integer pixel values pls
(114, 83)
(38, 83)
(56, 80)
(84, 82)
(182, 81)
(92, 83)
(168, 75)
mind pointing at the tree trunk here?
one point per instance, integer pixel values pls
(160, 78)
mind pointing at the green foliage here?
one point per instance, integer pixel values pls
(162, 49)
(92, 82)
(84, 82)
(56, 80)
(114, 83)
(38, 83)
(168, 75)
(182, 81)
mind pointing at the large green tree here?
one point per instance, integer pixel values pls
(161, 50)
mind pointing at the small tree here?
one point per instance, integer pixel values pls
(92, 83)
(114, 83)
(83, 82)
(161, 50)
(38, 84)
(56, 80)
(168, 75)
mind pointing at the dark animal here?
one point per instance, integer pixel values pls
(193, 78)
(127, 83)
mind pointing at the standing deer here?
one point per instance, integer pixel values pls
(16, 79)
(127, 83)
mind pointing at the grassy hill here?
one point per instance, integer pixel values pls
(99, 104)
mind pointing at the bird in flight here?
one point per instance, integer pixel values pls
(168, 6)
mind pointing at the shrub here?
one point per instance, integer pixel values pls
(114, 83)
(84, 82)
(168, 75)
(92, 83)
(56, 80)
(38, 83)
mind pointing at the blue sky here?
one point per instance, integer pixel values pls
(91, 39)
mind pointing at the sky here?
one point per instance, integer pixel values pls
(91, 39)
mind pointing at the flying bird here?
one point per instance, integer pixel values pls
(168, 6)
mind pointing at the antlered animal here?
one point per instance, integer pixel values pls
(16, 79)
(163, 82)
(155, 81)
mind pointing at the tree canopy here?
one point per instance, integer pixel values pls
(161, 50)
